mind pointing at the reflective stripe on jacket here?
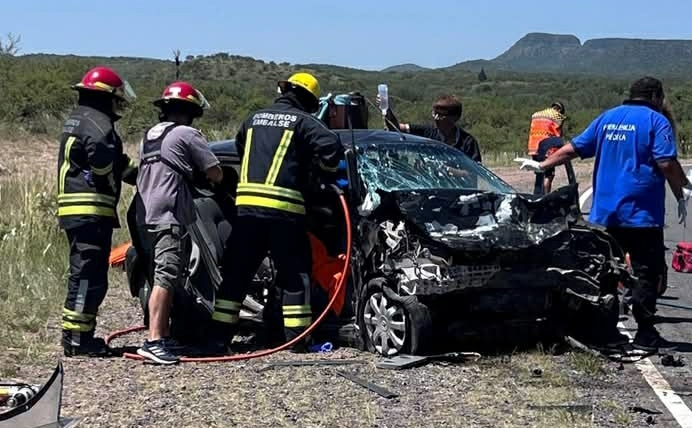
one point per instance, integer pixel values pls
(91, 166)
(277, 146)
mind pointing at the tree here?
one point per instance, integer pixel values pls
(11, 45)
(176, 56)
(482, 76)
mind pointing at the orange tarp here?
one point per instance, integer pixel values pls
(326, 271)
(117, 257)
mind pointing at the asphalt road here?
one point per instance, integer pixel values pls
(675, 324)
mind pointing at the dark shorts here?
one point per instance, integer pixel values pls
(170, 246)
(546, 148)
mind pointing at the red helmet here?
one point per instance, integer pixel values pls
(183, 91)
(106, 80)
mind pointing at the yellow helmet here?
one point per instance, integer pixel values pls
(304, 80)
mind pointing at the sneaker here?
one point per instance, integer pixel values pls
(158, 351)
(93, 347)
(175, 347)
(649, 340)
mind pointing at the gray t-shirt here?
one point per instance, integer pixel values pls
(164, 196)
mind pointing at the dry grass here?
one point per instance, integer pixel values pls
(495, 392)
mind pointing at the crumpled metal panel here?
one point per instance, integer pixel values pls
(485, 222)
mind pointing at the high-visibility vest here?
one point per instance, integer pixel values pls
(544, 124)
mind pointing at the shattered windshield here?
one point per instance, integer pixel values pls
(426, 165)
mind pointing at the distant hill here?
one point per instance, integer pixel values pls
(403, 68)
(496, 109)
(619, 57)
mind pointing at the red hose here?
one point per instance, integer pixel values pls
(257, 354)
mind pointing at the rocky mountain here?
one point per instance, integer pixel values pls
(564, 53)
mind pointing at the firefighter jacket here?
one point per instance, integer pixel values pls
(280, 147)
(544, 124)
(91, 167)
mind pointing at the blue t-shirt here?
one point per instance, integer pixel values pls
(628, 187)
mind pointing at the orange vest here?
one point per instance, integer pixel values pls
(544, 124)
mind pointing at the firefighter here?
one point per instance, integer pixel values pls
(280, 147)
(546, 124)
(91, 166)
(172, 152)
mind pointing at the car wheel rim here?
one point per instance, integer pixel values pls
(385, 322)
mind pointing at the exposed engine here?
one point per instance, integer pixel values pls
(420, 271)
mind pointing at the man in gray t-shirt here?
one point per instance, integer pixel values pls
(172, 151)
(165, 197)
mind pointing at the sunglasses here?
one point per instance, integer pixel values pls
(438, 116)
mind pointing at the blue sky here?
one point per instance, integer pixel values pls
(372, 34)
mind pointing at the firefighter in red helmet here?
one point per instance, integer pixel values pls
(91, 167)
(171, 154)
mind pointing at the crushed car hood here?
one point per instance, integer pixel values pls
(486, 221)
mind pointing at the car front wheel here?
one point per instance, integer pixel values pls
(393, 324)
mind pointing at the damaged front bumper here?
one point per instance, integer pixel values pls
(489, 260)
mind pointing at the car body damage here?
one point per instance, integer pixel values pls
(445, 255)
(484, 260)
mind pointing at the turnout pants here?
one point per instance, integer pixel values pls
(90, 246)
(288, 242)
(646, 249)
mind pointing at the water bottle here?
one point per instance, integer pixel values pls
(383, 93)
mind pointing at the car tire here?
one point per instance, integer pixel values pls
(393, 324)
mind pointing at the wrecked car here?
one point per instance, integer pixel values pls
(445, 255)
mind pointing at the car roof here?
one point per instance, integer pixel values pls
(348, 137)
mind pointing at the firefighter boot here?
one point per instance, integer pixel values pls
(297, 318)
(85, 344)
(219, 340)
(223, 327)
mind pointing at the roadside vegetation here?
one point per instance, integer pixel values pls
(497, 108)
(497, 391)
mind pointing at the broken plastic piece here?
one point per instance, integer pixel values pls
(370, 203)
(300, 363)
(382, 392)
(321, 347)
(400, 362)
(404, 361)
(670, 360)
(639, 409)
(567, 407)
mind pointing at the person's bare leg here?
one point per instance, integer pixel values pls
(547, 185)
(160, 303)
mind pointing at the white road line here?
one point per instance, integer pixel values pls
(675, 405)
